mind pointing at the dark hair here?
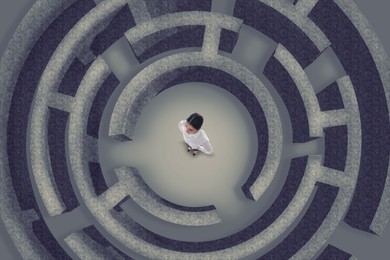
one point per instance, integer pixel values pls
(195, 120)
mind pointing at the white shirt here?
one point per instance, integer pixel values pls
(199, 140)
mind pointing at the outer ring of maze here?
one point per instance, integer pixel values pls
(93, 78)
(66, 52)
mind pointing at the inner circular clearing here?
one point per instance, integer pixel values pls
(175, 174)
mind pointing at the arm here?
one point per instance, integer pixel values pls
(206, 147)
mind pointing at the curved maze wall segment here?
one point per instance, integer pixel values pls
(58, 84)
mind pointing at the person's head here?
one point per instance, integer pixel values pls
(193, 123)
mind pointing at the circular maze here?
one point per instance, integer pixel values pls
(324, 141)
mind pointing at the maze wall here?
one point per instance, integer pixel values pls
(56, 84)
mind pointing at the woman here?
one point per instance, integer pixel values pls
(195, 138)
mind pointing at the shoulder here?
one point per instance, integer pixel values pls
(182, 125)
(182, 122)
